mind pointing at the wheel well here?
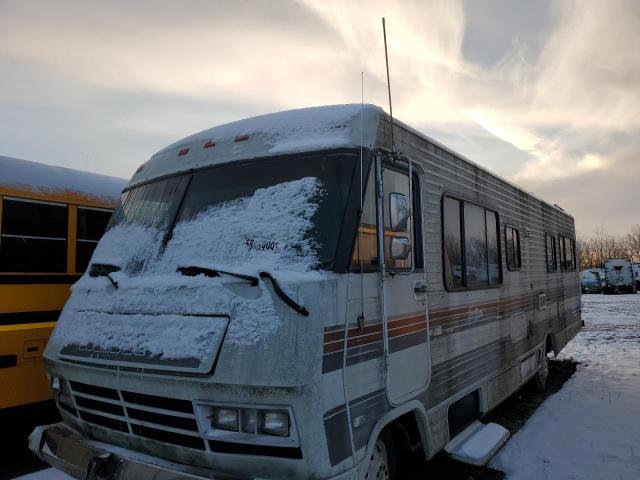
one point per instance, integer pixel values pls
(549, 345)
(406, 434)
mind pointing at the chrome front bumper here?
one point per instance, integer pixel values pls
(82, 458)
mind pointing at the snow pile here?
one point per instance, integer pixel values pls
(590, 429)
(38, 177)
(263, 232)
(163, 337)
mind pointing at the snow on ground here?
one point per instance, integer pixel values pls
(590, 429)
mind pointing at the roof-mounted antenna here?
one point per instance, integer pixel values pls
(386, 58)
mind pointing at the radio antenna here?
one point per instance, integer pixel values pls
(386, 59)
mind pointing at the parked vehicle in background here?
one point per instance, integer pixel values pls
(619, 276)
(288, 296)
(51, 219)
(591, 281)
(636, 275)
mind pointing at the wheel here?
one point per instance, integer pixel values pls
(539, 381)
(382, 465)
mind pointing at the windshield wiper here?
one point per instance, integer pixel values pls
(192, 271)
(104, 270)
(283, 296)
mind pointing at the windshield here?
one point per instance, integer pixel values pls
(264, 214)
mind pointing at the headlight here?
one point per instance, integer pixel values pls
(275, 423)
(225, 419)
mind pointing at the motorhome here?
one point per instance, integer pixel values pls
(306, 294)
(619, 275)
(51, 219)
(591, 281)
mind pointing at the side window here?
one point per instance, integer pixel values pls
(398, 224)
(366, 245)
(92, 223)
(452, 243)
(470, 243)
(34, 236)
(512, 240)
(568, 253)
(552, 260)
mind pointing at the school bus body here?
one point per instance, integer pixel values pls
(31, 301)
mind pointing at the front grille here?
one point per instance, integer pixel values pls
(166, 420)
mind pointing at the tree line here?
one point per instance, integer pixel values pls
(594, 250)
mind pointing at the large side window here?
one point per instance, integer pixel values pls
(512, 240)
(552, 260)
(34, 236)
(92, 223)
(470, 243)
(568, 253)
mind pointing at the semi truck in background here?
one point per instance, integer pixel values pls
(619, 276)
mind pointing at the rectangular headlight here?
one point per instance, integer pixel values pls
(224, 419)
(275, 423)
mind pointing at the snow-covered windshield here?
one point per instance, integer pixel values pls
(263, 214)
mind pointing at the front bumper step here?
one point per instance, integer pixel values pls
(82, 458)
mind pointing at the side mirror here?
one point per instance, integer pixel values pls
(400, 248)
(398, 212)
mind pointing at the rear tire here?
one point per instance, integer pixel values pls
(540, 379)
(382, 464)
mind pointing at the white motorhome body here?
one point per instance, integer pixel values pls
(238, 319)
(619, 276)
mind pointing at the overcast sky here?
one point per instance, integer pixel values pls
(544, 93)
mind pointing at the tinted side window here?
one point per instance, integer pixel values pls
(475, 245)
(493, 249)
(452, 243)
(512, 240)
(568, 253)
(90, 227)
(34, 236)
(552, 262)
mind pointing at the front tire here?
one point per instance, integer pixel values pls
(382, 464)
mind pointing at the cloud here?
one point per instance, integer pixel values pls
(545, 94)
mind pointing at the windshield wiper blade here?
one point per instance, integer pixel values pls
(104, 270)
(192, 271)
(283, 296)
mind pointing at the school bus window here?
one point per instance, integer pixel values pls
(552, 259)
(34, 236)
(512, 240)
(91, 225)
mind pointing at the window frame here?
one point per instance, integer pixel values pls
(574, 256)
(67, 240)
(417, 234)
(465, 287)
(506, 249)
(87, 241)
(555, 268)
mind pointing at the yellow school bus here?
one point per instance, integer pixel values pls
(51, 219)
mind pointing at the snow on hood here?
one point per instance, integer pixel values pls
(262, 232)
(38, 177)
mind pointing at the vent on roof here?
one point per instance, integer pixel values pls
(182, 152)
(210, 144)
(241, 138)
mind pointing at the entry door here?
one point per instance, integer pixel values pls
(403, 283)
